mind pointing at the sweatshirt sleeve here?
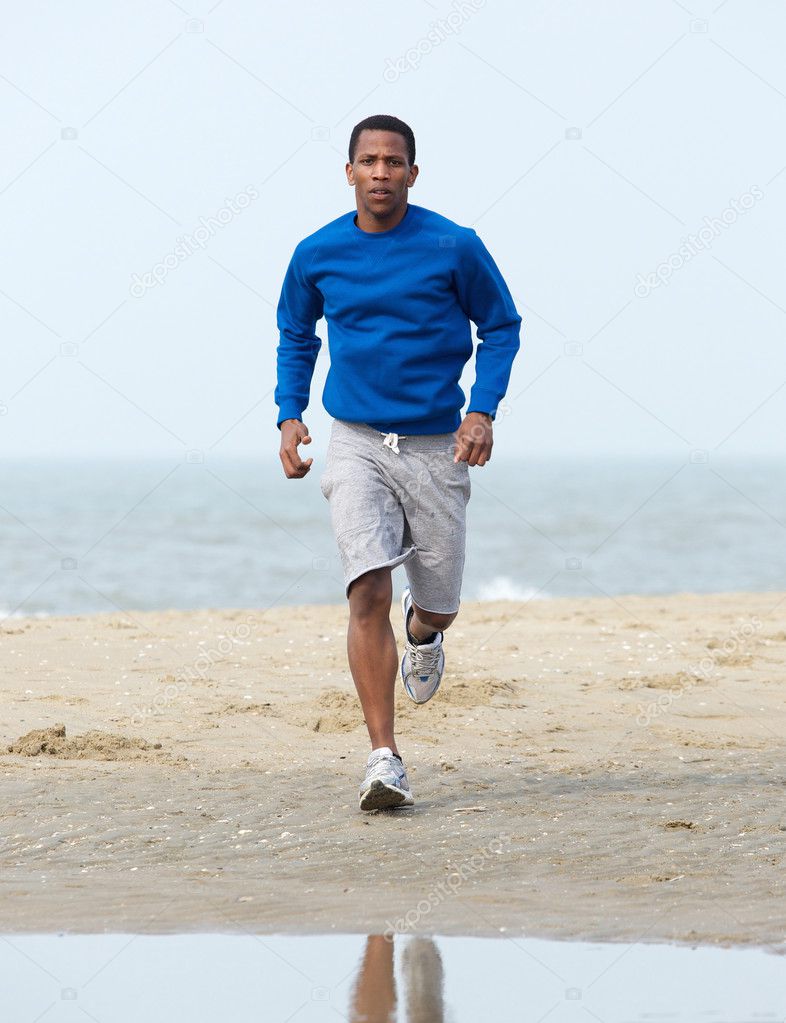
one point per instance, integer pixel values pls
(485, 298)
(299, 308)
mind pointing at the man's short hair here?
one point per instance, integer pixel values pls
(383, 122)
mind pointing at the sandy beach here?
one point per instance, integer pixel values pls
(608, 768)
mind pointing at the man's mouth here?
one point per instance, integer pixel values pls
(380, 192)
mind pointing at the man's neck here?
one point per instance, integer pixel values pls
(376, 225)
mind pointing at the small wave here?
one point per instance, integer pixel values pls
(6, 615)
(502, 587)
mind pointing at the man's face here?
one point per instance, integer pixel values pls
(381, 173)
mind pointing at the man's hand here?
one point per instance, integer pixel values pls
(474, 439)
(292, 433)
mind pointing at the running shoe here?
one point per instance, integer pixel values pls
(423, 663)
(385, 785)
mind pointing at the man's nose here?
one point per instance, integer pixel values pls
(380, 169)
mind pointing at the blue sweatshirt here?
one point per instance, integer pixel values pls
(398, 305)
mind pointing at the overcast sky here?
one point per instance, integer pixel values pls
(624, 162)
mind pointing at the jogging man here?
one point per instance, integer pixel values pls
(398, 285)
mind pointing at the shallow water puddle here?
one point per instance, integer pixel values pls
(201, 977)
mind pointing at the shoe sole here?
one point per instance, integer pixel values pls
(401, 666)
(379, 796)
(404, 608)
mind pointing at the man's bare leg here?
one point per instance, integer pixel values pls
(423, 623)
(373, 654)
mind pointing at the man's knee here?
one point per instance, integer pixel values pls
(437, 622)
(370, 595)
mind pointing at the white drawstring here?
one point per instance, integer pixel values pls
(391, 441)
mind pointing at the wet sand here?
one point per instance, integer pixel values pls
(591, 768)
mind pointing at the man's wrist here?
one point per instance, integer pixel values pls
(486, 415)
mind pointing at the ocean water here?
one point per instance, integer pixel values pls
(79, 536)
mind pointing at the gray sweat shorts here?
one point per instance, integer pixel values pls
(399, 499)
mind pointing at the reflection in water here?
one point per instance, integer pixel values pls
(423, 976)
(250, 978)
(374, 995)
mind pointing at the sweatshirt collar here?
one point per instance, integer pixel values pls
(404, 226)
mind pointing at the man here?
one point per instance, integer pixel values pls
(398, 285)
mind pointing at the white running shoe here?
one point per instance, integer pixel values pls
(423, 663)
(385, 784)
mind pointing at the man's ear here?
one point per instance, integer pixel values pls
(413, 173)
(350, 175)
